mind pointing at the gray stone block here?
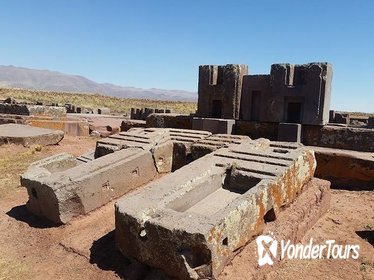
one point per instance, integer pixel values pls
(289, 132)
(215, 126)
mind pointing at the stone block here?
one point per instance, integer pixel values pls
(371, 122)
(127, 124)
(27, 135)
(197, 217)
(341, 118)
(209, 144)
(59, 188)
(169, 121)
(216, 126)
(72, 127)
(291, 224)
(62, 187)
(349, 138)
(35, 110)
(289, 132)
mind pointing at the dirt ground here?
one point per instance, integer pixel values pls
(32, 248)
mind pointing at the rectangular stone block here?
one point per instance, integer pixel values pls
(289, 132)
(62, 187)
(59, 188)
(169, 121)
(215, 126)
(341, 118)
(199, 216)
(371, 122)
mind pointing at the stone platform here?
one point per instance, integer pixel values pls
(198, 216)
(27, 135)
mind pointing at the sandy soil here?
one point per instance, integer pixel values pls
(32, 248)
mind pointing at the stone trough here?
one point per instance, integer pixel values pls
(198, 217)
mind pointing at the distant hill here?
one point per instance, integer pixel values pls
(19, 77)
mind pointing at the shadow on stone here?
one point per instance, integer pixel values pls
(105, 255)
(368, 235)
(20, 213)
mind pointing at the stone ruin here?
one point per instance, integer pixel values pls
(143, 113)
(73, 109)
(10, 106)
(290, 93)
(196, 197)
(62, 187)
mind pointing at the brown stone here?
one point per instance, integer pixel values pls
(345, 169)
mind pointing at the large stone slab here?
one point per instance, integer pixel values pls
(27, 135)
(198, 216)
(62, 187)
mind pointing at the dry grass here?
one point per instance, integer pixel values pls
(13, 161)
(116, 105)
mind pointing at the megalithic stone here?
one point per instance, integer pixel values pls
(190, 223)
(62, 187)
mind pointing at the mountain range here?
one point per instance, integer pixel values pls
(20, 77)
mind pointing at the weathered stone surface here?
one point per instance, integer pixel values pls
(59, 188)
(70, 126)
(143, 113)
(198, 216)
(256, 130)
(62, 187)
(135, 137)
(349, 138)
(183, 141)
(291, 93)
(331, 136)
(216, 126)
(207, 145)
(291, 224)
(27, 135)
(169, 121)
(289, 132)
(341, 118)
(36, 110)
(220, 89)
(345, 169)
(127, 124)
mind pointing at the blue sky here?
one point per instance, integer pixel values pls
(160, 44)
